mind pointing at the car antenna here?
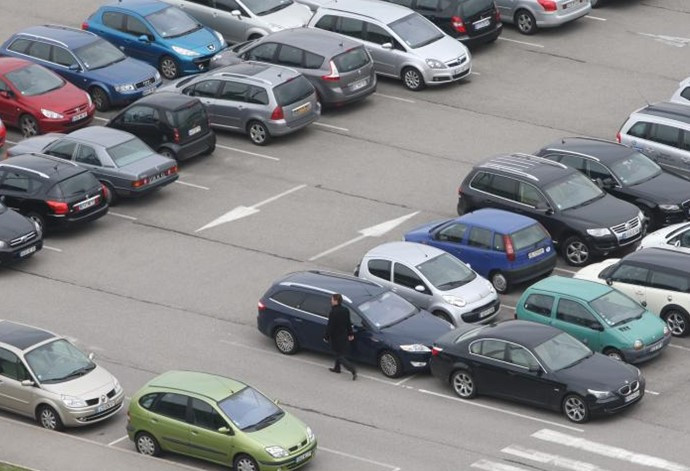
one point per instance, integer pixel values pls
(643, 97)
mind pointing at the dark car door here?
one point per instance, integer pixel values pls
(313, 325)
(17, 188)
(143, 121)
(367, 341)
(477, 252)
(488, 361)
(529, 382)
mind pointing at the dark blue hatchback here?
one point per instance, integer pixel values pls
(505, 247)
(389, 331)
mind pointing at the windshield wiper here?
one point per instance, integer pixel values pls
(269, 419)
(577, 361)
(81, 371)
(274, 9)
(426, 43)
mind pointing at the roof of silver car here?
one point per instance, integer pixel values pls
(101, 136)
(412, 253)
(317, 41)
(258, 71)
(374, 9)
(675, 111)
(22, 336)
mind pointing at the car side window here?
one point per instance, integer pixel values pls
(206, 89)
(427, 6)
(140, 115)
(520, 356)
(63, 57)
(312, 61)
(596, 170)
(670, 281)
(87, 155)
(355, 319)
(539, 304)
(480, 238)
(630, 274)
(453, 233)
(481, 181)
(40, 50)
(63, 149)
(135, 27)
(351, 27)
(529, 195)
(234, 91)
(289, 56)
(289, 297)
(685, 140)
(20, 45)
(404, 276)
(147, 400)
(205, 416)
(494, 349)
(327, 22)
(663, 134)
(573, 161)
(686, 93)
(263, 52)
(17, 183)
(11, 366)
(257, 95)
(380, 268)
(573, 312)
(317, 304)
(113, 20)
(504, 187)
(639, 129)
(173, 406)
(3, 86)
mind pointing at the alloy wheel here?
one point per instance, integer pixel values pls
(29, 126)
(389, 365)
(257, 133)
(463, 384)
(525, 23)
(168, 68)
(49, 419)
(500, 282)
(285, 341)
(676, 323)
(245, 464)
(575, 409)
(412, 79)
(577, 252)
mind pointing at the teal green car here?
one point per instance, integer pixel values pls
(217, 419)
(599, 316)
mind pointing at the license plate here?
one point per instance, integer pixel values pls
(28, 251)
(535, 253)
(571, 4)
(482, 23)
(358, 84)
(656, 347)
(148, 91)
(302, 457)
(106, 406)
(486, 312)
(79, 116)
(194, 130)
(632, 397)
(87, 204)
(156, 177)
(631, 233)
(302, 109)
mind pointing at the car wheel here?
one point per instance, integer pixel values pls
(463, 384)
(38, 219)
(111, 195)
(147, 445)
(575, 409)
(29, 126)
(49, 419)
(245, 463)
(390, 365)
(614, 353)
(525, 22)
(500, 282)
(167, 152)
(168, 68)
(575, 251)
(444, 316)
(648, 223)
(99, 98)
(412, 79)
(285, 341)
(258, 133)
(595, 3)
(677, 321)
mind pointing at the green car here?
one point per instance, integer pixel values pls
(217, 419)
(599, 316)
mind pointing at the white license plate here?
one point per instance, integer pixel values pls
(87, 204)
(486, 312)
(535, 253)
(656, 347)
(482, 23)
(28, 251)
(156, 177)
(302, 457)
(358, 84)
(572, 4)
(79, 116)
(148, 91)
(632, 397)
(302, 109)
(631, 233)
(194, 130)
(106, 406)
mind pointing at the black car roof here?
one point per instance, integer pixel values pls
(661, 257)
(598, 149)
(357, 290)
(167, 100)
(675, 111)
(526, 167)
(529, 334)
(44, 166)
(22, 336)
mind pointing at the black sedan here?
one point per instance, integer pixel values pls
(536, 364)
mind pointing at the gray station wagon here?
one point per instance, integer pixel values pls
(530, 15)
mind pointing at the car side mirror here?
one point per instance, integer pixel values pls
(535, 369)
(27, 382)
(2, 199)
(144, 38)
(542, 207)
(75, 68)
(609, 281)
(596, 326)
(420, 288)
(91, 356)
(7, 94)
(387, 45)
(225, 431)
(236, 13)
(677, 243)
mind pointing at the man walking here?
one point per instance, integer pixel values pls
(339, 333)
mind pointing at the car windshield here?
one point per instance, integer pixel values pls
(572, 191)
(99, 54)
(172, 23)
(250, 410)
(446, 272)
(58, 361)
(34, 80)
(292, 91)
(387, 309)
(416, 31)
(129, 152)
(635, 168)
(528, 237)
(562, 351)
(616, 308)
(266, 7)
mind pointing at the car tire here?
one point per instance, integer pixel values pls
(244, 463)
(525, 22)
(111, 197)
(596, 3)
(649, 225)
(49, 419)
(575, 409)
(167, 152)
(390, 365)
(614, 353)
(412, 79)
(210, 149)
(463, 384)
(258, 133)
(677, 320)
(285, 341)
(99, 98)
(38, 219)
(29, 126)
(443, 315)
(168, 68)
(576, 252)
(500, 282)
(146, 444)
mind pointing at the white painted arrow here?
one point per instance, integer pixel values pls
(374, 231)
(244, 211)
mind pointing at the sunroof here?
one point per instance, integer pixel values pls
(22, 336)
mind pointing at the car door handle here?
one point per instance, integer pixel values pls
(215, 14)
(298, 320)
(154, 421)
(195, 433)
(240, 107)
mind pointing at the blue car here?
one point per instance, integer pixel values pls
(157, 33)
(87, 61)
(389, 331)
(505, 247)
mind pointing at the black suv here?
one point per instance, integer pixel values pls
(51, 191)
(583, 220)
(19, 237)
(469, 21)
(663, 197)
(175, 125)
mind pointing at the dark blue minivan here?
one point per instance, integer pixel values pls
(389, 331)
(505, 247)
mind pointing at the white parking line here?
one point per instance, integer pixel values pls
(115, 442)
(54, 249)
(565, 270)
(680, 347)
(253, 154)
(520, 42)
(406, 100)
(403, 381)
(10, 142)
(359, 458)
(653, 393)
(192, 185)
(330, 126)
(123, 216)
(595, 18)
(548, 458)
(487, 465)
(18, 466)
(474, 73)
(512, 308)
(98, 118)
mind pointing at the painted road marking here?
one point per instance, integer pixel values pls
(253, 154)
(244, 211)
(359, 458)
(11, 142)
(406, 100)
(403, 381)
(668, 40)
(680, 347)
(493, 466)
(330, 126)
(520, 42)
(54, 249)
(123, 216)
(547, 458)
(653, 393)
(572, 272)
(115, 442)
(105, 120)
(374, 231)
(595, 18)
(192, 185)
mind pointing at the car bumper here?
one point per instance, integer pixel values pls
(486, 37)
(615, 404)
(15, 254)
(450, 74)
(142, 191)
(202, 145)
(666, 218)
(125, 98)
(91, 415)
(194, 65)
(65, 125)
(557, 18)
(648, 352)
(606, 245)
(480, 314)
(533, 271)
(57, 221)
(414, 362)
(282, 127)
(337, 96)
(295, 462)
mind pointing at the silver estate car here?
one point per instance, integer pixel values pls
(530, 15)
(120, 160)
(675, 237)
(258, 99)
(431, 279)
(340, 69)
(403, 43)
(682, 95)
(240, 20)
(44, 376)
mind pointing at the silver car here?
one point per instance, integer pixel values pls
(258, 99)
(675, 237)
(433, 280)
(44, 376)
(682, 95)
(240, 20)
(403, 43)
(530, 15)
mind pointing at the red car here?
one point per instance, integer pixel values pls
(3, 134)
(38, 101)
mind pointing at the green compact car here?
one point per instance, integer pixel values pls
(217, 419)
(599, 316)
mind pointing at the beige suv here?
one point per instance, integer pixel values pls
(42, 375)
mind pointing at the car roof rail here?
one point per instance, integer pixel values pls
(539, 159)
(598, 139)
(512, 170)
(573, 152)
(19, 167)
(345, 276)
(244, 77)
(38, 36)
(69, 28)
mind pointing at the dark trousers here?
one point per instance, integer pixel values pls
(341, 359)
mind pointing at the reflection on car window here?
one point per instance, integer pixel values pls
(616, 308)
(635, 169)
(562, 351)
(249, 409)
(129, 152)
(573, 190)
(58, 361)
(387, 309)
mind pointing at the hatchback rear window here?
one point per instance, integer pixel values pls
(351, 60)
(528, 236)
(472, 7)
(293, 90)
(187, 119)
(80, 183)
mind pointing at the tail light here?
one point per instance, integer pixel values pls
(261, 306)
(457, 24)
(141, 182)
(58, 207)
(85, 26)
(278, 113)
(497, 15)
(618, 137)
(459, 191)
(172, 170)
(510, 250)
(435, 351)
(548, 5)
(176, 135)
(333, 75)
(104, 191)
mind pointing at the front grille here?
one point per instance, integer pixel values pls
(623, 329)
(23, 239)
(92, 402)
(111, 394)
(629, 388)
(297, 447)
(457, 62)
(78, 110)
(620, 229)
(146, 83)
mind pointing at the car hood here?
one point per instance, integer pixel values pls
(151, 165)
(13, 224)
(649, 328)
(603, 212)
(294, 16)
(289, 431)
(591, 272)
(61, 100)
(445, 49)
(658, 238)
(665, 188)
(97, 382)
(126, 71)
(423, 328)
(422, 232)
(202, 41)
(34, 144)
(599, 372)
(476, 290)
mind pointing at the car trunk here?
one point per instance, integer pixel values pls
(191, 121)
(355, 69)
(297, 97)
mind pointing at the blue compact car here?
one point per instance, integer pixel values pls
(389, 331)
(505, 247)
(87, 61)
(157, 33)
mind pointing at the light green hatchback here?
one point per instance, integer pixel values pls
(599, 316)
(217, 419)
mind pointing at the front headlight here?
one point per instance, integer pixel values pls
(88, 97)
(640, 216)
(276, 451)
(454, 300)
(118, 388)
(666, 330)
(638, 345)
(415, 347)
(600, 394)
(37, 226)
(221, 39)
(3, 244)
(598, 232)
(669, 207)
(157, 77)
(492, 290)
(184, 52)
(51, 114)
(434, 64)
(73, 402)
(128, 87)
(310, 435)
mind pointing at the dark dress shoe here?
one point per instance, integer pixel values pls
(333, 370)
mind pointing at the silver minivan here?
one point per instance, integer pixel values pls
(682, 95)
(403, 43)
(530, 15)
(240, 20)
(431, 279)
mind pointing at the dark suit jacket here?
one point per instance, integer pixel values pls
(338, 328)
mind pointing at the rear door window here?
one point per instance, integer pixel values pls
(327, 22)
(494, 349)
(173, 406)
(670, 281)
(63, 149)
(40, 50)
(630, 274)
(289, 56)
(113, 20)
(206, 88)
(639, 129)
(263, 52)
(317, 304)
(234, 91)
(480, 238)
(504, 187)
(664, 134)
(380, 268)
(539, 304)
(294, 90)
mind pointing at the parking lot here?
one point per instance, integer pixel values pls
(171, 281)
